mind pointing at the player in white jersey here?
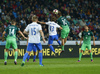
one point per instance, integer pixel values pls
(34, 30)
(52, 27)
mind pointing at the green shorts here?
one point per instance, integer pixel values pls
(64, 33)
(11, 41)
(84, 46)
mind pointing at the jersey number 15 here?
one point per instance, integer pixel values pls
(33, 31)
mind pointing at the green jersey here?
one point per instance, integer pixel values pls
(87, 37)
(11, 31)
(62, 21)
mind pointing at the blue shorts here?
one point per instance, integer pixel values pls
(31, 46)
(51, 38)
(34, 48)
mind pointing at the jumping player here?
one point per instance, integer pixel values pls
(52, 27)
(62, 21)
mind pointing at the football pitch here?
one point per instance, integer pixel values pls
(52, 66)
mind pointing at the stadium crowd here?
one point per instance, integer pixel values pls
(78, 12)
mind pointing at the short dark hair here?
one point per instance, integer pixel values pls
(13, 21)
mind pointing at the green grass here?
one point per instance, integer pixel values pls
(52, 66)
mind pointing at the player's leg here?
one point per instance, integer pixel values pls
(6, 56)
(83, 47)
(58, 41)
(28, 57)
(34, 57)
(89, 48)
(34, 51)
(29, 49)
(63, 36)
(6, 51)
(50, 41)
(39, 47)
(14, 45)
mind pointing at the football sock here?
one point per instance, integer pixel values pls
(51, 48)
(16, 55)
(34, 57)
(25, 56)
(40, 58)
(5, 56)
(59, 42)
(28, 57)
(62, 47)
(91, 55)
(80, 55)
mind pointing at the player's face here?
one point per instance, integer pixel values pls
(86, 28)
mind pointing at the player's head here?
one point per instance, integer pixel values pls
(13, 22)
(86, 28)
(53, 18)
(34, 18)
(59, 14)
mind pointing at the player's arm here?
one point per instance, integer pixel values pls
(22, 34)
(3, 36)
(27, 41)
(42, 34)
(26, 32)
(93, 40)
(41, 22)
(60, 28)
(81, 39)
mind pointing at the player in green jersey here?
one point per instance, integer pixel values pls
(62, 21)
(11, 40)
(86, 36)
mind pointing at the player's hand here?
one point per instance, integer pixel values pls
(25, 38)
(80, 44)
(94, 43)
(3, 39)
(44, 40)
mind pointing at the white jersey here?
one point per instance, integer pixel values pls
(52, 27)
(34, 32)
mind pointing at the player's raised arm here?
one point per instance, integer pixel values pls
(3, 36)
(41, 22)
(42, 34)
(22, 34)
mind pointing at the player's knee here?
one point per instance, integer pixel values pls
(15, 49)
(90, 51)
(7, 50)
(49, 44)
(40, 51)
(34, 53)
(81, 51)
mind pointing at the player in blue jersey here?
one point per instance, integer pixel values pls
(52, 27)
(34, 30)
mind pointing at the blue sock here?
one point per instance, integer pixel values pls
(51, 48)
(25, 56)
(59, 42)
(34, 57)
(28, 57)
(40, 58)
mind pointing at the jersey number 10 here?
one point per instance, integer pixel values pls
(33, 31)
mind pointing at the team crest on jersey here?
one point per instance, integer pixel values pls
(88, 33)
